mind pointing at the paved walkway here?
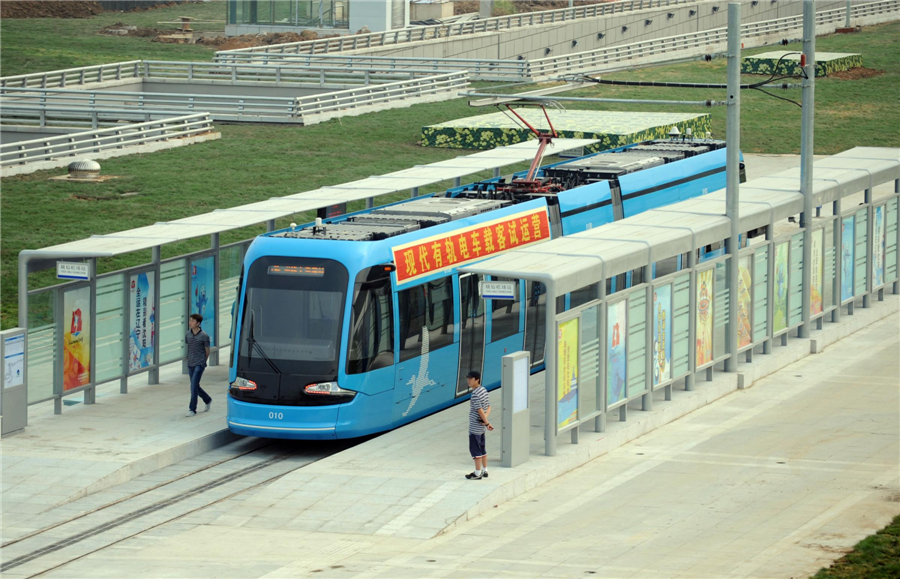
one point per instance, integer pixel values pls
(776, 480)
(60, 458)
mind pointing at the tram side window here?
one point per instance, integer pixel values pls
(504, 316)
(371, 344)
(428, 306)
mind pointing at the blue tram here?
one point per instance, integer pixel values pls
(362, 323)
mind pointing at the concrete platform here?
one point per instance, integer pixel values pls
(409, 482)
(612, 128)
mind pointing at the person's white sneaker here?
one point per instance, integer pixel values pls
(191, 413)
(208, 404)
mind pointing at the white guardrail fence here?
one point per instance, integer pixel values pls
(354, 91)
(753, 34)
(57, 151)
(420, 33)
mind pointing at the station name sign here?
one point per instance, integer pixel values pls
(72, 270)
(438, 253)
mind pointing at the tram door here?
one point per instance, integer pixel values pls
(471, 332)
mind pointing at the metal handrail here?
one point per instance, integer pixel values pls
(543, 67)
(79, 76)
(290, 108)
(420, 33)
(50, 148)
(508, 69)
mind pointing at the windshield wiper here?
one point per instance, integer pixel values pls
(255, 344)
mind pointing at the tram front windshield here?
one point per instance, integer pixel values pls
(292, 317)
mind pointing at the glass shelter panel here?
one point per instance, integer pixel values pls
(745, 301)
(616, 353)
(42, 340)
(828, 267)
(681, 319)
(173, 310)
(847, 249)
(110, 327)
(859, 276)
(780, 291)
(661, 330)
(721, 309)
(760, 293)
(637, 342)
(816, 300)
(890, 241)
(795, 301)
(589, 379)
(704, 323)
(229, 274)
(535, 321)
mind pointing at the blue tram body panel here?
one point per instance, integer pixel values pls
(585, 207)
(306, 283)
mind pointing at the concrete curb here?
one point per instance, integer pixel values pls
(683, 403)
(158, 461)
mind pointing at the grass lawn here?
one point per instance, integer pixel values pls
(256, 162)
(875, 557)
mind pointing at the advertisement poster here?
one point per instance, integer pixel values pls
(13, 361)
(779, 322)
(847, 251)
(816, 274)
(616, 331)
(203, 289)
(705, 317)
(878, 248)
(567, 373)
(143, 321)
(662, 339)
(76, 338)
(745, 302)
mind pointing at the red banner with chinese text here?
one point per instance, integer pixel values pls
(442, 252)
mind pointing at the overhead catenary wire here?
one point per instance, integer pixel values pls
(754, 86)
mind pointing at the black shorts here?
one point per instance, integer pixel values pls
(476, 445)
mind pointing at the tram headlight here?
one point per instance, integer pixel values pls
(243, 384)
(328, 389)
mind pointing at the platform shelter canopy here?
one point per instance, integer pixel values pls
(222, 220)
(585, 258)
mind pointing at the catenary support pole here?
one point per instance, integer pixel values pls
(806, 156)
(732, 176)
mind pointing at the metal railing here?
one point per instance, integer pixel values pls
(481, 69)
(15, 113)
(696, 41)
(318, 108)
(44, 153)
(421, 33)
(76, 76)
(305, 109)
(322, 75)
(679, 46)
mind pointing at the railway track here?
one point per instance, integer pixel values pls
(72, 538)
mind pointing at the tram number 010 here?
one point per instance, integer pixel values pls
(276, 415)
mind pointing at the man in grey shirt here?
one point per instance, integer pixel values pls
(197, 352)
